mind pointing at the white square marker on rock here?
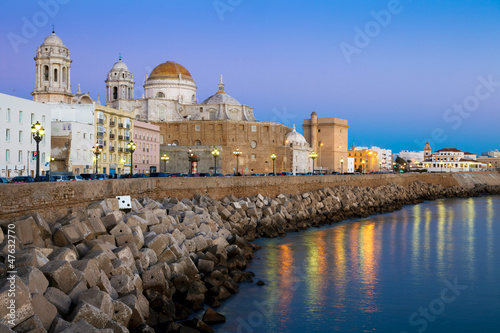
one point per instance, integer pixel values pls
(124, 202)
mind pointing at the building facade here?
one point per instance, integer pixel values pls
(365, 160)
(113, 129)
(384, 156)
(328, 138)
(17, 157)
(492, 163)
(453, 160)
(412, 156)
(147, 152)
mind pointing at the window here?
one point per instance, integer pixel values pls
(64, 74)
(254, 128)
(115, 92)
(43, 121)
(20, 136)
(7, 135)
(160, 95)
(197, 143)
(55, 74)
(20, 117)
(7, 155)
(104, 156)
(7, 115)
(32, 118)
(46, 73)
(254, 156)
(20, 157)
(197, 128)
(43, 158)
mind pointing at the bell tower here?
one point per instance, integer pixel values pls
(427, 151)
(53, 68)
(119, 84)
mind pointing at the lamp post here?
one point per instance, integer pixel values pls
(237, 153)
(273, 157)
(313, 155)
(450, 166)
(165, 158)
(489, 166)
(190, 154)
(341, 166)
(215, 153)
(363, 166)
(131, 147)
(38, 132)
(50, 168)
(97, 150)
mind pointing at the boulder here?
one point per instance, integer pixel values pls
(60, 275)
(60, 300)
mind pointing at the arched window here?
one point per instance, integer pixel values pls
(197, 143)
(46, 73)
(175, 142)
(64, 78)
(212, 115)
(55, 74)
(123, 75)
(115, 92)
(160, 95)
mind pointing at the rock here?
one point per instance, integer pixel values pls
(89, 268)
(34, 279)
(101, 300)
(60, 275)
(213, 317)
(198, 325)
(102, 260)
(121, 313)
(60, 300)
(59, 325)
(23, 308)
(90, 314)
(112, 219)
(32, 324)
(63, 253)
(205, 266)
(68, 234)
(122, 283)
(260, 283)
(140, 308)
(45, 310)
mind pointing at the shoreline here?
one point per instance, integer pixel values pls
(149, 268)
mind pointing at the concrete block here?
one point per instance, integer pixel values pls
(42, 226)
(120, 229)
(32, 325)
(34, 279)
(60, 274)
(154, 279)
(140, 308)
(125, 254)
(23, 308)
(112, 204)
(45, 310)
(89, 268)
(178, 236)
(60, 300)
(116, 327)
(24, 230)
(189, 245)
(122, 283)
(157, 244)
(121, 313)
(35, 259)
(90, 314)
(112, 219)
(59, 325)
(95, 225)
(151, 256)
(138, 236)
(63, 253)
(104, 284)
(136, 220)
(201, 243)
(79, 288)
(120, 268)
(99, 299)
(67, 234)
(167, 256)
(102, 260)
(190, 269)
(205, 266)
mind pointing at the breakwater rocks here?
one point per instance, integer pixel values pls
(102, 269)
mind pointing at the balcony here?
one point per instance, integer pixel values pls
(127, 138)
(120, 125)
(112, 123)
(100, 134)
(112, 149)
(111, 136)
(120, 137)
(100, 121)
(127, 150)
(120, 150)
(128, 126)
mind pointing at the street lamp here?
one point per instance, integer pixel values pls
(273, 157)
(237, 153)
(50, 168)
(341, 166)
(165, 158)
(122, 161)
(313, 155)
(131, 147)
(363, 166)
(215, 153)
(38, 132)
(97, 150)
(380, 166)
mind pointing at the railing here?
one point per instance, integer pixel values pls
(120, 125)
(100, 121)
(127, 138)
(111, 136)
(120, 137)
(112, 123)
(101, 134)
(111, 148)
(128, 126)
(120, 150)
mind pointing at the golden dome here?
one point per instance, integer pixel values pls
(170, 70)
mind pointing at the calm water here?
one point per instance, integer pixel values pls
(433, 267)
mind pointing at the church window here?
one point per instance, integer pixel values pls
(197, 143)
(212, 115)
(123, 75)
(201, 109)
(55, 74)
(46, 72)
(64, 78)
(197, 128)
(115, 92)
(254, 128)
(160, 95)
(319, 129)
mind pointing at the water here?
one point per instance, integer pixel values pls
(386, 273)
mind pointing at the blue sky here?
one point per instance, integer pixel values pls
(396, 82)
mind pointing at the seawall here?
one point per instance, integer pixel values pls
(53, 200)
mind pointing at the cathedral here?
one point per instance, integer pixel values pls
(185, 125)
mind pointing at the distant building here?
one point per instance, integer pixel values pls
(384, 157)
(17, 157)
(452, 160)
(328, 138)
(491, 153)
(350, 165)
(300, 150)
(147, 153)
(365, 160)
(412, 156)
(492, 163)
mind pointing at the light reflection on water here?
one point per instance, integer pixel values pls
(369, 275)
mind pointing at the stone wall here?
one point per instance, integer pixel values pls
(53, 200)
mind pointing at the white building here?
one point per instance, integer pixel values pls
(413, 156)
(301, 162)
(350, 165)
(453, 160)
(384, 156)
(17, 115)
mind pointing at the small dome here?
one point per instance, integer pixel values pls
(119, 66)
(295, 138)
(221, 99)
(170, 70)
(53, 40)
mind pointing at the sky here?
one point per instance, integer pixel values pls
(401, 72)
